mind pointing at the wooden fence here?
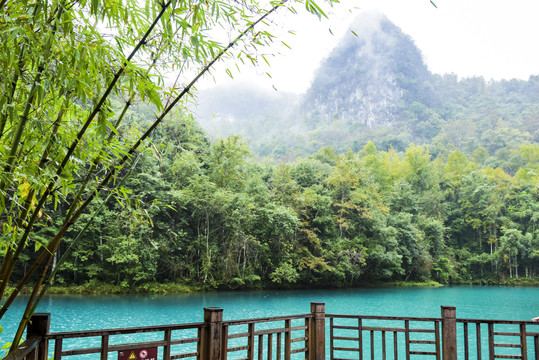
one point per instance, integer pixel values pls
(293, 337)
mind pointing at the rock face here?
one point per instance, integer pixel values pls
(367, 77)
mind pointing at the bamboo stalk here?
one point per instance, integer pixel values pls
(5, 276)
(51, 248)
(11, 257)
(28, 311)
(9, 261)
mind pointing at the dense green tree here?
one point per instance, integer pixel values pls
(366, 217)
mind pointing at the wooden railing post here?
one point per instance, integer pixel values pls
(317, 341)
(536, 343)
(449, 333)
(39, 326)
(211, 335)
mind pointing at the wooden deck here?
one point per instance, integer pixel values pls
(313, 336)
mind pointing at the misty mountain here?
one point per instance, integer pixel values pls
(375, 86)
(368, 76)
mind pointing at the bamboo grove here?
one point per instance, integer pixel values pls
(64, 146)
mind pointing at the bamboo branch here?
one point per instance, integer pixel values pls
(11, 95)
(51, 248)
(11, 257)
(5, 276)
(29, 306)
(67, 252)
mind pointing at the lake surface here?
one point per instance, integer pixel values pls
(100, 312)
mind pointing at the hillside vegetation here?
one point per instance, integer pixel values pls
(207, 213)
(381, 172)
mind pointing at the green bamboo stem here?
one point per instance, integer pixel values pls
(5, 276)
(8, 262)
(14, 83)
(20, 129)
(48, 251)
(11, 257)
(24, 119)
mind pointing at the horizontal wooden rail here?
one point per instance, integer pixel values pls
(266, 319)
(500, 322)
(122, 331)
(24, 349)
(371, 317)
(266, 332)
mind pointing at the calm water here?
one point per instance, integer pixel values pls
(99, 312)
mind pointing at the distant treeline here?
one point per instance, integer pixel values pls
(209, 214)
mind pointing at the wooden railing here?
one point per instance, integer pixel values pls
(269, 340)
(383, 337)
(504, 339)
(294, 337)
(166, 342)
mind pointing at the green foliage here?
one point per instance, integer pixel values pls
(284, 274)
(207, 215)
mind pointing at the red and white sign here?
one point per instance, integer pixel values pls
(149, 353)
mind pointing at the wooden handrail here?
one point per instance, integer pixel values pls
(374, 317)
(266, 319)
(24, 349)
(122, 331)
(491, 321)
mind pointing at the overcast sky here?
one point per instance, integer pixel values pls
(496, 39)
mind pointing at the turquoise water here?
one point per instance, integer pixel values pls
(99, 312)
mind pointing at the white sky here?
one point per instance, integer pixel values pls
(496, 39)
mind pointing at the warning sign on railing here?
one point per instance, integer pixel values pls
(149, 353)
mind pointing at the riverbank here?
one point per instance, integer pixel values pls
(94, 288)
(97, 288)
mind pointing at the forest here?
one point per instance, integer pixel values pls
(125, 191)
(210, 214)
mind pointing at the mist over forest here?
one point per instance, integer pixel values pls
(374, 86)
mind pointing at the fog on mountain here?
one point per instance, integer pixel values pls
(375, 86)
